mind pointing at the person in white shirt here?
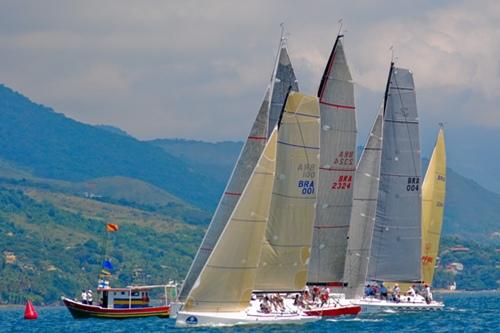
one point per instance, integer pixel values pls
(411, 291)
(427, 293)
(84, 297)
(90, 298)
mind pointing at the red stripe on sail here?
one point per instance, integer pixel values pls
(257, 138)
(340, 106)
(232, 193)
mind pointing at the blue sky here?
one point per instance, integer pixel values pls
(196, 69)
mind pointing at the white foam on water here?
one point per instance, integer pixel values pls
(362, 320)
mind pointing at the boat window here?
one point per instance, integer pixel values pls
(135, 293)
(123, 293)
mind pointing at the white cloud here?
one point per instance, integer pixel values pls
(199, 69)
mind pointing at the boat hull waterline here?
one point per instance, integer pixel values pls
(411, 304)
(334, 311)
(215, 319)
(80, 310)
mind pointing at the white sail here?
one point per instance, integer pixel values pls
(363, 211)
(288, 237)
(396, 244)
(336, 172)
(282, 79)
(228, 277)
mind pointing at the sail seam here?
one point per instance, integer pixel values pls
(337, 169)
(232, 193)
(339, 106)
(330, 226)
(302, 114)
(293, 197)
(401, 121)
(297, 146)
(257, 138)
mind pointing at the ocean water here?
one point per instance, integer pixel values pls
(464, 312)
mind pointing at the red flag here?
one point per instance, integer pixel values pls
(110, 227)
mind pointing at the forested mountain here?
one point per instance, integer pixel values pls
(61, 181)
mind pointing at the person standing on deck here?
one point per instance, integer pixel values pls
(84, 297)
(90, 297)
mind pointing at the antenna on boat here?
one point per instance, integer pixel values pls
(393, 57)
(341, 23)
(284, 35)
(441, 124)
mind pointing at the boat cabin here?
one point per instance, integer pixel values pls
(132, 296)
(124, 298)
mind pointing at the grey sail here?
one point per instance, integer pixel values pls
(364, 209)
(282, 81)
(336, 171)
(395, 251)
(245, 164)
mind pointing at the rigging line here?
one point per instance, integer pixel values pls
(407, 128)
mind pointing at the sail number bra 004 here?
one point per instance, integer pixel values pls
(413, 183)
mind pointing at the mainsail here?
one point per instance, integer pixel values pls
(227, 279)
(433, 197)
(287, 242)
(283, 78)
(336, 170)
(282, 81)
(364, 210)
(395, 251)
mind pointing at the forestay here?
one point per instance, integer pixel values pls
(287, 241)
(227, 280)
(364, 210)
(395, 252)
(336, 172)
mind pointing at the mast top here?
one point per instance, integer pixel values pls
(341, 23)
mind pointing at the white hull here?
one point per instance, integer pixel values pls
(175, 307)
(248, 317)
(407, 303)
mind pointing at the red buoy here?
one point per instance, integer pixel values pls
(29, 311)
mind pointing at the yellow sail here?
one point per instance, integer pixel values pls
(433, 196)
(227, 279)
(287, 243)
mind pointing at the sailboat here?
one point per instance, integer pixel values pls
(336, 176)
(282, 79)
(394, 243)
(433, 198)
(269, 232)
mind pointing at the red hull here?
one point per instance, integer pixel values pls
(350, 310)
(79, 310)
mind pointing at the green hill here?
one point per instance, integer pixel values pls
(52, 244)
(480, 265)
(216, 159)
(51, 145)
